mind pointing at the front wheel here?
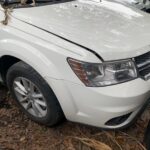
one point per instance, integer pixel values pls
(33, 95)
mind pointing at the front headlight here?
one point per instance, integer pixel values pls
(103, 74)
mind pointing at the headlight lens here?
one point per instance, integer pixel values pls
(104, 74)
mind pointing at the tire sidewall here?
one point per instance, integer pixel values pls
(50, 98)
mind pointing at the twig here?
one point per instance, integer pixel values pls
(139, 143)
(8, 10)
(97, 145)
(113, 139)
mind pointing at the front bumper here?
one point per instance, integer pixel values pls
(97, 106)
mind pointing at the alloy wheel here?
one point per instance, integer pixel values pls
(30, 97)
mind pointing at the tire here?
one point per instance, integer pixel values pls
(48, 111)
(147, 136)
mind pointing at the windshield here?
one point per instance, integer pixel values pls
(25, 3)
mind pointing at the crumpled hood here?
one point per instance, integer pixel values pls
(113, 30)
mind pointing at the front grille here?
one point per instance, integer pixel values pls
(143, 65)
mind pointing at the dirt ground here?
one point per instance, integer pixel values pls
(17, 132)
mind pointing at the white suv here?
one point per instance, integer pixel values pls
(84, 60)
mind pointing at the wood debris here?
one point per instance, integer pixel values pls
(9, 9)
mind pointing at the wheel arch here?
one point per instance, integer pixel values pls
(32, 57)
(6, 61)
(20, 51)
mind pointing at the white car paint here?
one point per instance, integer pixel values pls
(32, 35)
(140, 4)
(87, 17)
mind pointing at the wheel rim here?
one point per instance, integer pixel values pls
(30, 97)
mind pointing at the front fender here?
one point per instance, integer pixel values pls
(29, 55)
(47, 58)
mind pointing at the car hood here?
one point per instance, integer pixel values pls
(111, 29)
(140, 4)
